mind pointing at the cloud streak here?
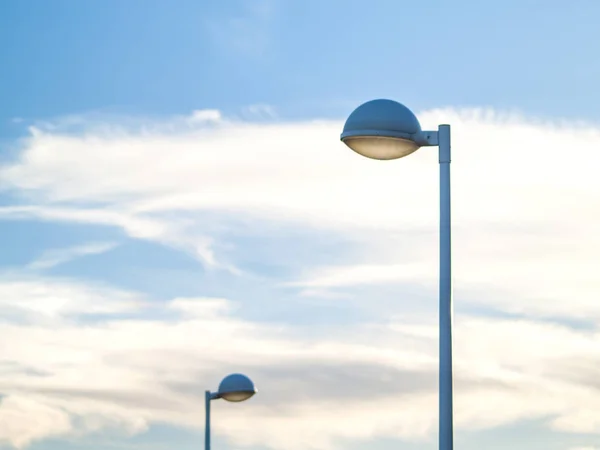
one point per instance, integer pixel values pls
(56, 257)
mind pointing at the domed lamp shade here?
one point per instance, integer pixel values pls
(383, 129)
(236, 388)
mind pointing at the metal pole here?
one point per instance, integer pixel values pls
(207, 397)
(445, 370)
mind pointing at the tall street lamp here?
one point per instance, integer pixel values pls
(385, 129)
(234, 388)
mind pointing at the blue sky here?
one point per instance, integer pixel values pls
(304, 58)
(175, 205)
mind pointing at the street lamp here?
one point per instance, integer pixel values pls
(385, 129)
(234, 388)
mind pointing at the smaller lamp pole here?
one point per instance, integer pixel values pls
(207, 400)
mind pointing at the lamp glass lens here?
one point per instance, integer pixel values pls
(379, 147)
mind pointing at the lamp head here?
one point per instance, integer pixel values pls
(382, 129)
(236, 388)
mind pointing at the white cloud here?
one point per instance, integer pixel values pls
(205, 115)
(364, 274)
(380, 378)
(23, 420)
(525, 211)
(49, 299)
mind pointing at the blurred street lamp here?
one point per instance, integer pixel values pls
(234, 388)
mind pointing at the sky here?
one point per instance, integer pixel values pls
(175, 206)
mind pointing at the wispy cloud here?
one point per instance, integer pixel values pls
(259, 111)
(53, 258)
(247, 32)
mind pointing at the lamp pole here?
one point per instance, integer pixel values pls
(385, 129)
(234, 388)
(446, 433)
(207, 399)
